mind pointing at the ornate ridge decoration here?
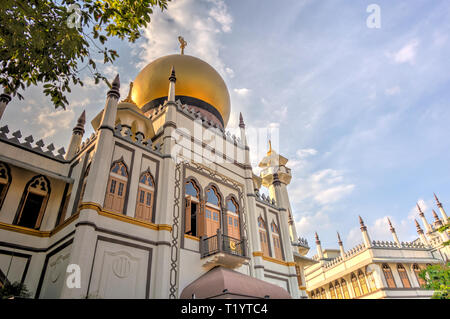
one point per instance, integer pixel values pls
(174, 248)
(39, 145)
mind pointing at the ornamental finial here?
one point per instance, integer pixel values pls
(129, 99)
(270, 148)
(183, 43)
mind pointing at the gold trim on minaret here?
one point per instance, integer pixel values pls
(270, 148)
(183, 43)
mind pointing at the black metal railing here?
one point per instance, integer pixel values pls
(221, 243)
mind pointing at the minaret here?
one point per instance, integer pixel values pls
(242, 129)
(276, 176)
(341, 245)
(364, 232)
(424, 220)
(77, 137)
(438, 224)
(437, 221)
(394, 234)
(423, 239)
(83, 250)
(172, 81)
(444, 215)
(319, 247)
(4, 100)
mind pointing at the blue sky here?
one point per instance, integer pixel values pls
(363, 113)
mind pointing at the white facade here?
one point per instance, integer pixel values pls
(85, 207)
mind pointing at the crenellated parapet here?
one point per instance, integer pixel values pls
(29, 144)
(136, 139)
(394, 245)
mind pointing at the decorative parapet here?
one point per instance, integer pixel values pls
(207, 123)
(137, 139)
(403, 245)
(436, 241)
(27, 143)
(85, 144)
(302, 242)
(352, 252)
(265, 200)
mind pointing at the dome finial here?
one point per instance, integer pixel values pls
(183, 43)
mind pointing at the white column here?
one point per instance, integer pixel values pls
(4, 100)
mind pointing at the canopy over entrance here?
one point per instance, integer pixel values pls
(223, 283)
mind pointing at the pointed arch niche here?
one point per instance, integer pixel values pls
(193, 224)
(33, 203)
(5, 181)
(213, 211)
(145, 199)
(117, 186)
(263, 236)
(233, 218)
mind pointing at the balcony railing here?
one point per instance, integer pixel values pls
(221, 243)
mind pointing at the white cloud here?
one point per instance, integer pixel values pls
(311, 223)
(200, 23)
(242, 92)
(406, 53)
(323, 187)
(307, 152)
(51, 121)
(393, 90)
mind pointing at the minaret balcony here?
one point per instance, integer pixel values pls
(223, 250)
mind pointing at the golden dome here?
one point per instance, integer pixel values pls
(195, 79)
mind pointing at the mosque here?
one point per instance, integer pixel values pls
(147, 206)
(161, 201)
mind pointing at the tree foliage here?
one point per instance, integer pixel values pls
(14, 290)
(45, 41)
(437, 278)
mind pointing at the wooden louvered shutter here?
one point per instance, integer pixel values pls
(187, 215)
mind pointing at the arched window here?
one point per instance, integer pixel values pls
(363, 282)
(146, 192)
(345, 289)
(276, 240)
(403, 276)
(233, 219)
(34, 201)
(356, 289)
(5, 181)
(193, 226)
(323, 294)
(332, 292)
(417, 271)
(263, 236)
(337, 286)
(212, 211)
(388, 276)
(117, 186)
